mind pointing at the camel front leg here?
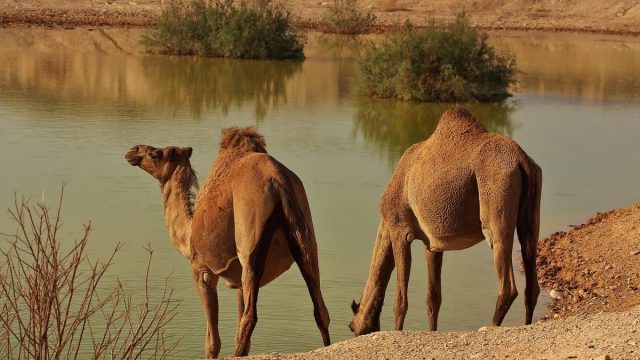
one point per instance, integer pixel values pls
(252, 270)
(434, 289)
(402, 258)
(206, 282)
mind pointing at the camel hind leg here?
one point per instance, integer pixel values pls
(306, 257)
(499, 201)
(528, 231)
(255, 224)
(302, 244)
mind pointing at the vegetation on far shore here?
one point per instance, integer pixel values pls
(251, 29)
(345, 17)
(442, 62)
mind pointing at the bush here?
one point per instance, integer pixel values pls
(344, 17)
(53, 304)
(255, 29)
(443, 62)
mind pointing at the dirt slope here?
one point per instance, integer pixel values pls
(602, 336)
(615, 16)
(595, 266)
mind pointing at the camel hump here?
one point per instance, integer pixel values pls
(458, 121)
(244, 139)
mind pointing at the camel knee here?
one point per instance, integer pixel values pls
(434, 299)
(401, 304)
(513, 295)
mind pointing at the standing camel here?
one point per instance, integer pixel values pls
(250, 223)
(451, 191)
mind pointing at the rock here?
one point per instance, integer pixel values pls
(604, 357)
(555, 294)
(484, 328)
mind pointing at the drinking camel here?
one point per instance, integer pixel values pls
(451, 191)
(250, 222)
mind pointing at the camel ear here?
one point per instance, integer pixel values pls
(355, 307)
(188, 150)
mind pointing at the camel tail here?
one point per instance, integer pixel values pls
(295, 220)
(528, 229)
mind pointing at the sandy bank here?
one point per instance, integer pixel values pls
(610, 17)
(616, 335)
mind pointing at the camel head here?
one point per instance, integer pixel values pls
(159, 162)
(362, 324)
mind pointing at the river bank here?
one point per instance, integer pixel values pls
(602, 336)
(612, 17)
(594, 272)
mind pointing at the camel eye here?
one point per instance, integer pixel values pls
(156, 154)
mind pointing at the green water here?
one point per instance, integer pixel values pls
(71, 105)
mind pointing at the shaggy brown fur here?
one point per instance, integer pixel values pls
(251, 222)
(451, 191)
(244, 139)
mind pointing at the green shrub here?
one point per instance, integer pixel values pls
(443, 62)
(255, 29)
(344, 17)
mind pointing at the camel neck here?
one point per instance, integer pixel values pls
(178, 208)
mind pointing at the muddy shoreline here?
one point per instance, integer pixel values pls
(504, 16)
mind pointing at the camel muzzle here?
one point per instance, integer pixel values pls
(132, 159)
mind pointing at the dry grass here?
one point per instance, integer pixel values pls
(388, 5)
(53, 304)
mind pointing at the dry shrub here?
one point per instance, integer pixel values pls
(346, 17)
(52, 304)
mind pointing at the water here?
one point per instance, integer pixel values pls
(72, 103)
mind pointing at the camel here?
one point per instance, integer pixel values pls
(460, 186)
(250, 222)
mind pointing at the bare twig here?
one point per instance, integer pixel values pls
(53, 306)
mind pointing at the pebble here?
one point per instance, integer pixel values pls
(554, 294)
(634, 253)
(484, 328)
(604, 357)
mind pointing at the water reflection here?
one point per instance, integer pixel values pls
(201, 85)
(392, 126)
(592, 67)
(95, 82)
